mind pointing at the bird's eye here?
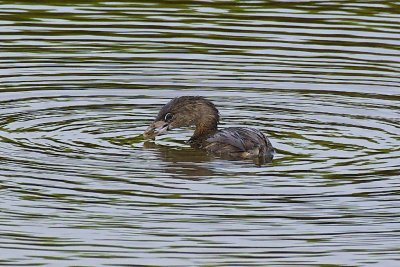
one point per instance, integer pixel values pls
(168, 117)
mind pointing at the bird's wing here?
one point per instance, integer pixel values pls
(236, 141)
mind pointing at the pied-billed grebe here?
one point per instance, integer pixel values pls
(233, 142)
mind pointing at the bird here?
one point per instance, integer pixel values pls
(231, 142)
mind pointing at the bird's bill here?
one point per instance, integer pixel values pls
(156, 128)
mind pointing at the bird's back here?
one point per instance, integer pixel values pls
(239, 142)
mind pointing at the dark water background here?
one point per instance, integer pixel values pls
(80, 80)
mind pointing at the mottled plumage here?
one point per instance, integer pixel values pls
(232, 143)
(239, 142)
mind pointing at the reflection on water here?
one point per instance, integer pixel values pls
(79, 83)
(185, 162)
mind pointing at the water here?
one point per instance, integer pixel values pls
(80, 81)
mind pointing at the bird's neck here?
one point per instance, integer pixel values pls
(204, 129)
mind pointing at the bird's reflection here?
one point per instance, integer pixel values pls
(189, 162)
(185, 161)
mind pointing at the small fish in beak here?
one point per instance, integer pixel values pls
(156, 128)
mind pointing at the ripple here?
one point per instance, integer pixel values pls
(80, 83)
